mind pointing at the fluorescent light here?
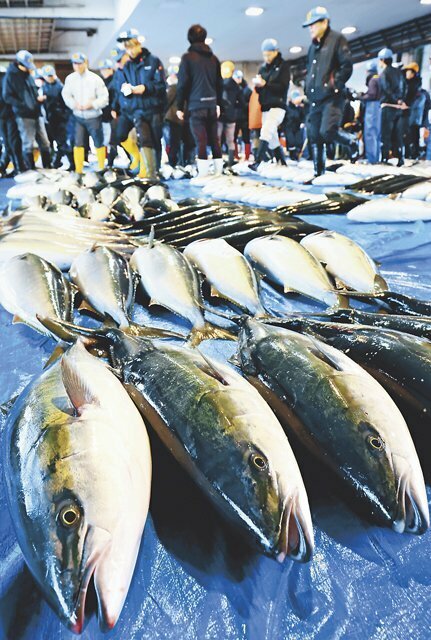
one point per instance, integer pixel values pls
(425, 1)
(209, 40)
(348, 30)
(295, 49)
(254, 11)
(174, 60)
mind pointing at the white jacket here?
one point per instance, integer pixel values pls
(85, 88)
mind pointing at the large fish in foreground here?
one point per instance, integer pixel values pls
(343, 416)
(346, 261)
(221, 431)
(31, 286)
(228, 272)
(105, 280)
(289, 265)
(170, 281)
(77, 466)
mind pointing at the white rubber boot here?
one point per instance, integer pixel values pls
(203, 167)
(218, 166)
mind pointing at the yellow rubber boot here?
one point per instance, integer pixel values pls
(148, 168)
(132, 149)
(78, 158)
(36, 155)
(101, 157)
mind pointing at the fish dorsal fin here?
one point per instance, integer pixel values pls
(210, 369)
(76, 385)
(17, 320)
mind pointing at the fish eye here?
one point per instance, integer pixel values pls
(69, 516)
(258, 462)
(376, 442)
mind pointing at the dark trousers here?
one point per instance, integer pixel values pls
(88, 127)
(174, 138)
(324, 120)
(12, 142)
(56, 130)
(242, 127)
(203, 125)
(144, 131)
(392, 131)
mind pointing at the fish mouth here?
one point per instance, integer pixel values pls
(412, 514)
(296, 539)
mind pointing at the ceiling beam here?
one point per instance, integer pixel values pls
(71, 12)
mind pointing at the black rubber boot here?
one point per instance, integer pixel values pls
(279, 155)
(400, 154)
(29, 160)
(231, 160)
(318, 152)
(46, 159)
(262, 155)
(350, 141)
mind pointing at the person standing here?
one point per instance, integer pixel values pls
(21, 93)
(84, 92)
(174, 127)
(57, 115)
(242, 115)
(272, 85)
(329, 67)
(107, 71)
(12, 149)
(232, 104)
(372, 114)
(294, 124)
(393, 94)
(200, 85)
(417, 99)
(254, 121)
(142, 100)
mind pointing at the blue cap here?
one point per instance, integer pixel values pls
(372, 65)
(269, 44)
(48, 71)
(315, 15)
(295, 94)
(386, 53)
(106, 64)
(130, 34)
(237, 74)
(117, 53)
(78, 58)
(25, 58)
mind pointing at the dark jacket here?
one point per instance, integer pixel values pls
(232, 101)
(373, 90)
(55, 108)
(295, 116)
(393, 86)
(242, 115)
(277, 77)
(20, 91)
(171, 106)
(148, 70)
(329, 66)
(110, 85)
(5, 109)
(199, 79)
(413, 89)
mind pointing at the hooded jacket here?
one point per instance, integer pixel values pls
(148, 70)
(199, 79)
(277, 77)
(329, 67)
(20, 92)
(232, 101)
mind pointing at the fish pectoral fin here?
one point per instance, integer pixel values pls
(55, 355)
(210, 368)
(209, 332)
(86, 308)
(76, 385)
(17, 320)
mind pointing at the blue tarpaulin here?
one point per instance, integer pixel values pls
(196, 578)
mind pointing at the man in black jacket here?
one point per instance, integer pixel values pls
(272, 85)
(9, 133)
(107, 71)
(242, 115)
(329, 66)
(57, 115)
(21, 93)
(200, 85)
(232, 104)
(392, 99)
(142, 101)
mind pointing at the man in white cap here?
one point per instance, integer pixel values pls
(20, 91)
(393, 94)
(329, 66)
(272, 84)
(84, 92)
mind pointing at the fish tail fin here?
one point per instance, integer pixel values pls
(208, 332)
(68, 332)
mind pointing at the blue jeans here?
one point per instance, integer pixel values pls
(372, 127)
(92, 126)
